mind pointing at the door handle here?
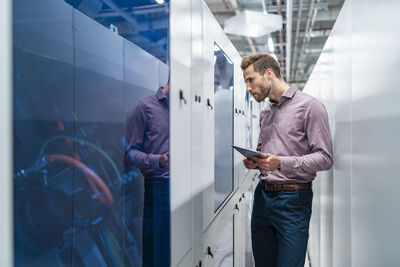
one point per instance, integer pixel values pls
(209, 103)
(209, 252)
(181, 97)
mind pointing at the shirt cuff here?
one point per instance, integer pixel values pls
(154, 161)
(287, 164)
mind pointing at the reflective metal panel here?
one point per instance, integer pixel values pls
(6, 204)
(91, 135)
(223, 126)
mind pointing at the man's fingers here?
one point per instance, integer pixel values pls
(252, 160)
(249, 163)
(266, 155)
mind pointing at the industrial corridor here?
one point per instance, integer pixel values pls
(144, 132)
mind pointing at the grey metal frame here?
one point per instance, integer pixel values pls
(6, 228)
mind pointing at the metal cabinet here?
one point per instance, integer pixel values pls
(180, 133)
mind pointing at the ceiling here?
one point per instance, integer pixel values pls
(312, 21)
(142, 22)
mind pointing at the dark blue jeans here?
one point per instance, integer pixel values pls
(156, 223)
(279, 227)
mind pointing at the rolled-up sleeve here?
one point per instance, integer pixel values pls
(136, 134)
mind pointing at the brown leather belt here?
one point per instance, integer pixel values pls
(284, 187)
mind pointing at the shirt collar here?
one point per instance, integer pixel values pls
(288, 94)
(160, 94)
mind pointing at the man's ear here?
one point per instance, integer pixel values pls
(268, 73)
(271, 73)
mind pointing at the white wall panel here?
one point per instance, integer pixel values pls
(213, 33)
(314, 248)
(187, 260)
(201, 116)
(375, 133)
(194, 224)
(313, 88)
(210, 26)
(180, 130)
(240, 119)
(326, 96)
(243, 250)
(365, 124)
(341, 36)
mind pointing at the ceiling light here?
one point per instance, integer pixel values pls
(253, 24)
(160, 1)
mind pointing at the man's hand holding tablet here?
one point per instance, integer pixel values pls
(254, 159)
(250, 156)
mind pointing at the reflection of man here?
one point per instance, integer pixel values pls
(223, 72)
(296, 142)
(148, 150)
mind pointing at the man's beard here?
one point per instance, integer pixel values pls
(264, 92)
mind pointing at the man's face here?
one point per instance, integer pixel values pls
(256, 84)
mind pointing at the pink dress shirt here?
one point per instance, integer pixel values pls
(297, 130)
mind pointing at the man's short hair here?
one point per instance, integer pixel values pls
(262, 62)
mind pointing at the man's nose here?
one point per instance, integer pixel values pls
(248, 88)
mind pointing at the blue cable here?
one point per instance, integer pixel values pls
(109, 249)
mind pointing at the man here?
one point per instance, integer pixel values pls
(296, 143)
(148, 150)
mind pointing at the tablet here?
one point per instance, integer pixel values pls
(248, 153)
